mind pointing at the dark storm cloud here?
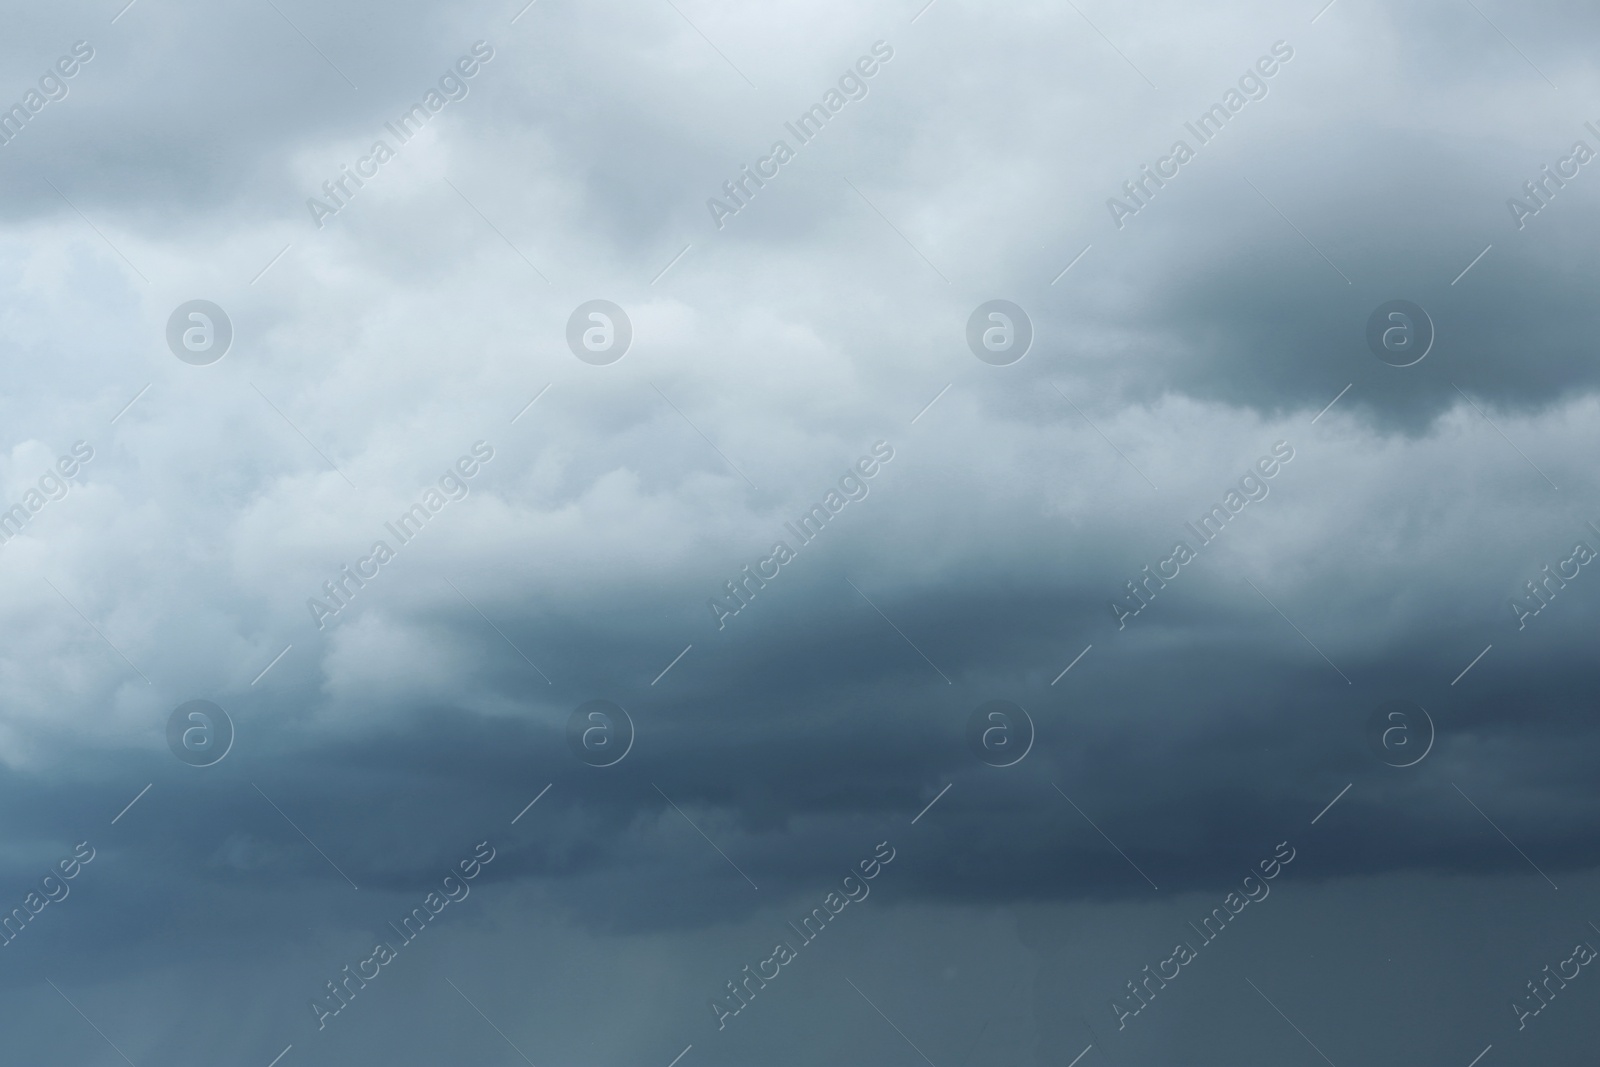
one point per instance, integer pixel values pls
(1183, 744)
(786, 779)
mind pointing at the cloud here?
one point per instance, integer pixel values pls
(428, 316)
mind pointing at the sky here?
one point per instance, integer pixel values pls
(505, 511)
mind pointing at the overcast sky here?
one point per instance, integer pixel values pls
(1341, 675)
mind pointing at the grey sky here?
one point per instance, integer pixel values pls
(372, 352)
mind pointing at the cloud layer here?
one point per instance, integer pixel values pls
(424, 324)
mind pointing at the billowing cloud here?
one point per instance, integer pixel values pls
(1201, 534)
